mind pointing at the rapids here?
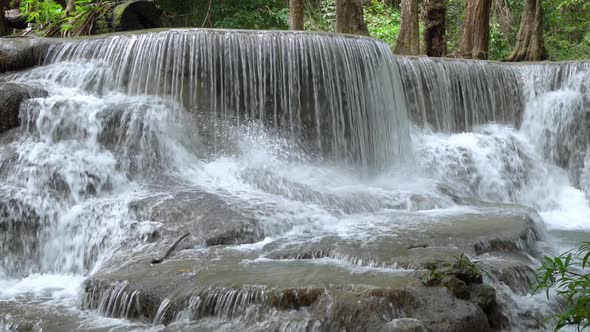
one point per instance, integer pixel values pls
(315, 136)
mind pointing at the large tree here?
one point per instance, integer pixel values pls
(435, 23)
(408, 40)
(475, 39)
(530, 45)
(350, 18)
(296, 14)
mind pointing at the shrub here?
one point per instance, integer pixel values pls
(565, 274)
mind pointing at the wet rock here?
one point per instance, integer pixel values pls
(294, 282)
(222, 284)
(209, 218)
(22, 52)
(485, 297)
(532, 320)
(11, 97)
(457, 287)
(513, 270)
(30, 317)
(404, 325)
(482, 295)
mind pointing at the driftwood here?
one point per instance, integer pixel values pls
(160, 260)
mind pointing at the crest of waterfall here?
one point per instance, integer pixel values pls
(336, 95)
(458, 95)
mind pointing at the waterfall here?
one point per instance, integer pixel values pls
(557, 116)
(302, 165)
(128, 114)
(459, 95)
(527, 138)
(342, 95)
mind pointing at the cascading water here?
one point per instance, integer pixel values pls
(291, 160)
(537, 136)
(337, 92)
(456, 96)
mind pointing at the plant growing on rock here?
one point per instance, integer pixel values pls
(462, 268)
(565, 274)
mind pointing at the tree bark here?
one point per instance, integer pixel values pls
(296, 14)
(435, 23)
(350, 18)
(530, 44)
(71, 7)
(408, 41)
(475, 39)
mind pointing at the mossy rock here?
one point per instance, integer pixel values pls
(136, 15)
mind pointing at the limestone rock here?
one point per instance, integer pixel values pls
(11, 97)
(22, 52)
(210, 219)
(457, 287)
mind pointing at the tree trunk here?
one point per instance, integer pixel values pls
(296, 14)
(71, 7)
(435, 23)
(350, 18)
(475, 40)
(530, 45)
(3, 25)
(408, 41)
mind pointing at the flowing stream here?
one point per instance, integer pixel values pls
(314, 136)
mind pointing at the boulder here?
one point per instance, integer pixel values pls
(11, 97)
(221, 286)
(18, 53)
(331, 284)
(129, 15)
(136, 15)
(210, 219)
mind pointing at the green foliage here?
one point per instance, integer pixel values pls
(320, 15)
(567, 25)
(51, 18)
(466, 266)
(455, 17)
(42, 12)
(252, 14)
(383, 21)
(564, 275)
(434, 277)
(500, 47)
(462, 268)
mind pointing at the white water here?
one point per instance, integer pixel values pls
(89, 149)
